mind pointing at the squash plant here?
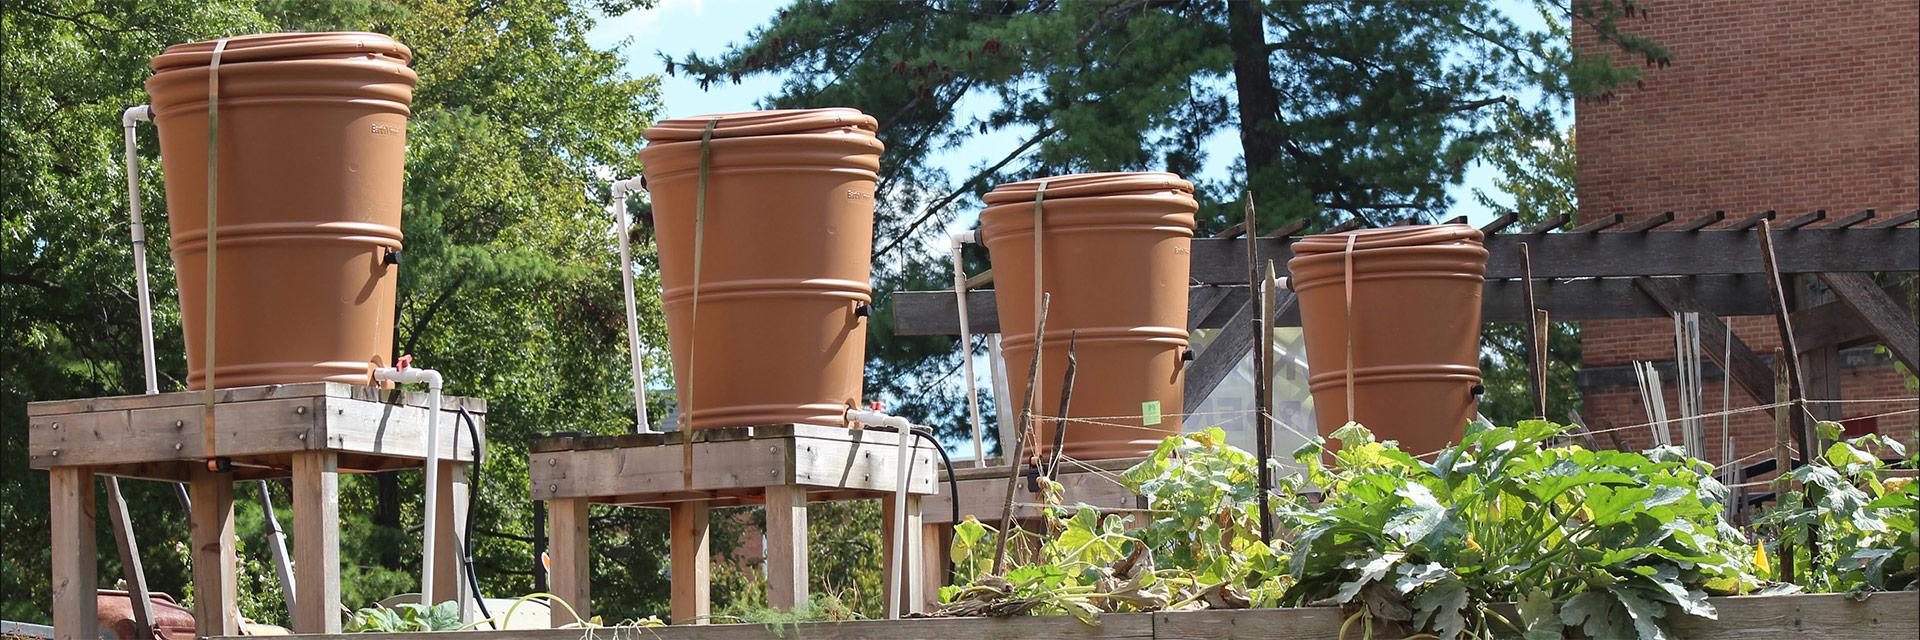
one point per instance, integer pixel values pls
(1865, 524)
(1611, 544)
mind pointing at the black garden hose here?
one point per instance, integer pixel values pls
(953, 492)
(473, 505)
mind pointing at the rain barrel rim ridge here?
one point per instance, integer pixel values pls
(1084, 185)
(286, 45)
(770, 122)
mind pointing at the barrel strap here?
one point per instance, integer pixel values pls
(213, 246)
(693, 321)
(1039, 293)
(1347, 281)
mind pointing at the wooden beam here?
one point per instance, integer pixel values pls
(910, 588)
(1575, 300)
(1749, 372)
(449, 574)
(1801, 221)
(1851, 220)
(1649, 223)
(1349, 225)
(691, 561)
(1888, 319)
(1896, 221)
(1751, 221)
(1500, 223)
(130, 567)
(1702, 222)
(1201, 301)
(75, 572)
(316, 542)
(786, 546)
(571, 575)
(210, 531)
(1551, 224)
(1599, 223)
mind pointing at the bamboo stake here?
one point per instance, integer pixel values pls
(1536, 368)
(1263, 393)
(1020, 441)
(1796, 385)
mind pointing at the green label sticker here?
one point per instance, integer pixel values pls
(1150, 412)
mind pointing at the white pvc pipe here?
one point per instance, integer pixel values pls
(956, 240)
(128, 118)
(430, 531)
(904, 430)
(1002, 398)
(620, 190)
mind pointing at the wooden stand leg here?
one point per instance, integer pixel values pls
(449, 573)
(572, 567)
(215, 592)
(933, 562)
(786, 546)
(910, 589)
(75, 576)
(316, 541)
(691, 563)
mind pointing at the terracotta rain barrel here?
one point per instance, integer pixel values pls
(313, 138)
(1115, 249)
(785, 264)
(1415, 329)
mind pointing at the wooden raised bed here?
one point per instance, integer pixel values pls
(1885, 616)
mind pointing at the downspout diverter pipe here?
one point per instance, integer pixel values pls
(957, 240)
(904, 429)
(433, 381)
(620, 190)
(128, 120)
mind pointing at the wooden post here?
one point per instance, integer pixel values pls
(1797, 385)
(215, 592)
(911, 596)
(1783, 458)
(786, 546)
(130, 569)
(449, 573)
(572, 572)
(691, 562)
(75, 575)
(1267, 290)
(316, 542)
(933, 561)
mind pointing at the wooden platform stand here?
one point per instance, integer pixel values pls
(783, 467)
(983, 494)
(312, 432)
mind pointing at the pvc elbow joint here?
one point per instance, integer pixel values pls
(408, 376)
(960, 238)
(136, 113)
(623, 187)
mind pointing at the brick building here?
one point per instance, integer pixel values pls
(1767, 105)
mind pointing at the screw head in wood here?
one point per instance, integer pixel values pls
(56, 426)
(303, 436)
(552, 462)
(300, 411)
(177, 424)
(56, 453)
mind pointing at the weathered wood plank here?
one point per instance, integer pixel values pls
(983, 498)
(1889, 320)
(691, 562)
(75, 574)
(909, 589)
(571, 576)
(814, 457)
(1117, 626)
(1219, 357)
(449, 573)
(253, 394)
(931, 312)
(316, 542)
(786, 546)
(210, 532)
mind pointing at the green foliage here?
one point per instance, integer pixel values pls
(404, 618)
(1604, 542)
(1864, 523)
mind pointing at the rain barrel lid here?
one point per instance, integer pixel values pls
(1081, 185)
(772, 122)
(284, 46)
(1407, 236)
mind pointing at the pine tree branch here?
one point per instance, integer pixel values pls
(965, 188)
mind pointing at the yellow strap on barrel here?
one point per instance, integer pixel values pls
(693, 320)
(1348, 282)
(213, 245)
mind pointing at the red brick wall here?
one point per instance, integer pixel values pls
(1767, 105)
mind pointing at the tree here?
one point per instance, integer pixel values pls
(510, 285)
(1342, 109)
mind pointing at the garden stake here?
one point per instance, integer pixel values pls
(1020, 441)
(1783, 462)
(1066, 399)
(1796, 384)
(1535, 367)
(1263, 394)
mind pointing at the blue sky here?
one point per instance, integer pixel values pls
(708, 26)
